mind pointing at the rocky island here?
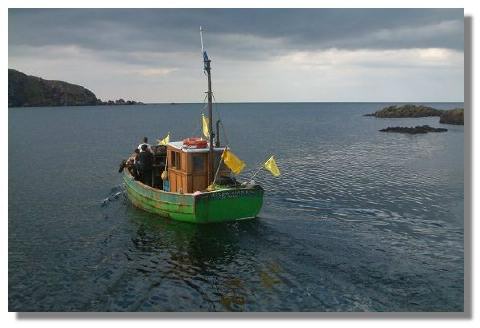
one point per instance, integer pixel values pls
(453, 116)
(406, 111)
(31, 91)
(413, 130)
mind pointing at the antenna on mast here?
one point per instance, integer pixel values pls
(204, 52)
(201, 38)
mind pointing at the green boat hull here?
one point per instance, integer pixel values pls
(224, 205)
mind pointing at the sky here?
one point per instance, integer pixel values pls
(264, 55)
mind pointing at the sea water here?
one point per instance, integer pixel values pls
(359, 220)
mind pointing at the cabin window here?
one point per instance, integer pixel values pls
(178, 161)
(172, 158)
(198, 163)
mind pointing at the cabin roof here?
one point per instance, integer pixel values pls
(179, 145)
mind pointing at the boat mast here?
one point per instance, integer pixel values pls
(206, 67)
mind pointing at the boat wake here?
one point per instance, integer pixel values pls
(115, 194)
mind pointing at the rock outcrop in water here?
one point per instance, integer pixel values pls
(31, 91)
(453, 116)
(120, 102)
(407, 110)
(413, 130)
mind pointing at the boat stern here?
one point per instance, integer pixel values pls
(228, 204)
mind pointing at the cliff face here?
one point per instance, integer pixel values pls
(25, 90)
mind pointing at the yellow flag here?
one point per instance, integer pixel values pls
(205, 130)
(233, 162)
(271, 165)
(165, 140)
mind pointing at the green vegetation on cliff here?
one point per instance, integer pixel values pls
(406, 111)
(25, 90)
(453, 116)
(31, 91)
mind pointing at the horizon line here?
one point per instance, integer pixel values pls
(299, 102)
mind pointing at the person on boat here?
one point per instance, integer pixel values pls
(133, 159)
(146, 165)
(133, 163)
(145, 142)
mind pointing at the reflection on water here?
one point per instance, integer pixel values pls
(358, 221)
(203, 258)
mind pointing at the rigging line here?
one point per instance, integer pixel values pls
(204, 106)
(218, 112)
(256, 172)
(216, 106)
(220, 118)
(204, 103)
(197, 127)
(195, 131)
(224, 133)
(260, 166)
(218, 169)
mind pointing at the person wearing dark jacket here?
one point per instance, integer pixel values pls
(146, 165)
(135, 164)
(145, 142)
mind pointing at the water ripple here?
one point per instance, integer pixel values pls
(358, 220)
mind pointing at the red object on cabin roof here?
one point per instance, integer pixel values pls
(195, 142)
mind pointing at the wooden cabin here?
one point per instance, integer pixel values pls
(187, 167)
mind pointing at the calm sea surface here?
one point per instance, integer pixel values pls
(359, 220)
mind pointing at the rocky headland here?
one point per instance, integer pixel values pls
(31, 91)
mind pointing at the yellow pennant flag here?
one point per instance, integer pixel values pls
(165, 140)
(205, 130)
(233, 162)
(271, 165)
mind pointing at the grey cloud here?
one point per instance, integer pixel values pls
(113, 51)
(168, 30)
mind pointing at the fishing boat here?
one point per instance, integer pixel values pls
(193, 179)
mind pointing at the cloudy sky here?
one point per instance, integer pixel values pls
(153, 55)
